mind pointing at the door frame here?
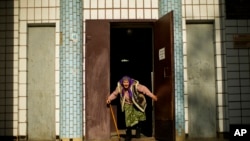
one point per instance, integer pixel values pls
(89, 69)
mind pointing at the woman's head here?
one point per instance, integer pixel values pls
(126, 81)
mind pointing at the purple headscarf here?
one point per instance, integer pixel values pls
(130, 80)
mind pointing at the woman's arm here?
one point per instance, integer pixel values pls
(146, 91)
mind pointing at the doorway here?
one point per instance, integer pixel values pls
(98, 73)
(131, 55)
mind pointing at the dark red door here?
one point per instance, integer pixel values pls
(97, 79)
(164, 78)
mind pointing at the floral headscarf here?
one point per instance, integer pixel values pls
(130, 80)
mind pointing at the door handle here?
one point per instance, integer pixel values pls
(165, 73)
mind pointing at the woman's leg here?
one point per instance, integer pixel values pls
(128, 134)
(138, 130)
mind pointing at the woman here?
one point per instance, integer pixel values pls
(133, 102)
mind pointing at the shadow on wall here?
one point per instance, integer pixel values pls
(8, 93)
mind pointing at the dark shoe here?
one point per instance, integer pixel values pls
(138, 132)
(128, 134)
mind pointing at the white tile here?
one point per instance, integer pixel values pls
(52, 3)
(22, 115)
(155, 13)
(189, 11)
(23, 3)
(147, 3)
(31, 13)
(23, 13)
(186, 127)
(86, 4)
(219, 73)
(139, 14)
(52, 13)
(22, 129)
(22, 103)
(101, 14)
(31, 3)
(117, 13)
(139, 3)
(216, 11)
(117, 3)
(23, 26)
(186, 101)
(147, 13)
(45, 3)
(93, 3)
(203, 1)
(45, 13)
(93, 14)
(124, 14)
(210, 1)
(196, 11)
(210, 10)
(124, 3)
(86, 14)
(221, 125)
(16, 3)
(38, 3)
(101, 3)
(131, 4)
(220, 112)
(185, 88)
(109, 14)
(132, 14)
(188, 1)
(23, 64)
(219, 87)
(58, 129)
(195, 1)
(109, 3)
(57, 13)
(203, 10)
(186, 113)
(22, 77)
(155, 4)
(57, 91)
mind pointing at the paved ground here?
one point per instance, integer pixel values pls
(114, 137)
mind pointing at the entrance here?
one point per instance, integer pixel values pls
(102, 72)
(131, 55)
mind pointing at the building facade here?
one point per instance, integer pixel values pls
(212, 71)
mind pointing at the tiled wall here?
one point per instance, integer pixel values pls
(71, 69)
(232, 65)
(207, 10)
(119, 9)
(9, 27)
(30, 12)
(237, 72)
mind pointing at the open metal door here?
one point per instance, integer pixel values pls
(164, 78)
(97, 79)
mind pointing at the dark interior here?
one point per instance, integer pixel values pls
(131, 55)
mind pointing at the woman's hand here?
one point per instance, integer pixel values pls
(108, 101)
(154, 97)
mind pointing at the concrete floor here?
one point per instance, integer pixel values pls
(114, 137)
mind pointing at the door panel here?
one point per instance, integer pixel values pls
(97, 79)
(41, 83)
(164, 78)
(201, 81)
